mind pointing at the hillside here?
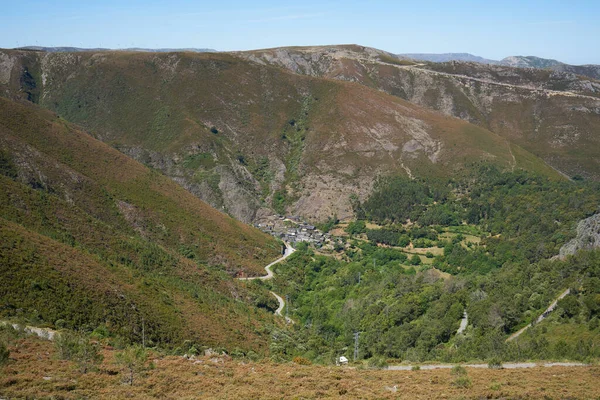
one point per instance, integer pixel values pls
(91, 239)
(554, 115)
(210, 377)
(252, 139)
(445, 57)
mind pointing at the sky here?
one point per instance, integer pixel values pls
(564, 30)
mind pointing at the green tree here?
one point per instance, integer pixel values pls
(415, 260)
(133, 360)
(569, 305)
(78, 348)
(356, 227)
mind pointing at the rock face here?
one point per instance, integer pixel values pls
(588, 237)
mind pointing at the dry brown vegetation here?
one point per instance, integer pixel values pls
(90, 238)
(35, 371)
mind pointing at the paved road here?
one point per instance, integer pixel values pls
(289, 250)
(531, 88)
(505, 366)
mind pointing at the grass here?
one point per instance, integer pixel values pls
(224, 377)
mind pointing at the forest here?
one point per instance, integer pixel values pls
(481, 245)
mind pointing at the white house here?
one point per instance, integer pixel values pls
(341, 361)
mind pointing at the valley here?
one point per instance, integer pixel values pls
(228, 224)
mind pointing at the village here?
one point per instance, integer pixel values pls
(293, 230)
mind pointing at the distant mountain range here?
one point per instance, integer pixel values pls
(79, 49)
(445, 57)
(589, 70)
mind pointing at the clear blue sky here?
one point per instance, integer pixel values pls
(565, 30)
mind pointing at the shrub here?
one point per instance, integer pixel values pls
(429, 254)
(495, 363)
(462, 382)
(356, 227)
(301, 361)
(60, 324)
(133, 361)
(78, 348)
(415, 260)
(66, 345)
(377, 362)
(416, 368)
(458, 370)
(88, 355)
(4, 353)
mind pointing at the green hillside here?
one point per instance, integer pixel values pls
(483, 245)
(92, 239)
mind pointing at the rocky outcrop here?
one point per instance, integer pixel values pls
(588, 237)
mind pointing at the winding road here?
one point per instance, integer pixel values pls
(289, 250)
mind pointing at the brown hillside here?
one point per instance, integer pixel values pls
(249, 138)
(93, 238)
(554, 115)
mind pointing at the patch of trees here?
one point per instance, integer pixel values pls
(408, 315)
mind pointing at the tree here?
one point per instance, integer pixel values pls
(78, 348)
(88, 355)
(415, 260)
(569, 305)
(356, 227)
(133, 361)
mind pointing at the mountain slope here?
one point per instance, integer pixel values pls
(249, 138)
(590, 71)
(445, 57)
(93, 238)
(529, 62)
(554, 115)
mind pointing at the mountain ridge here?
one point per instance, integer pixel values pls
(552, 114)
(324, 139)
(67, 49)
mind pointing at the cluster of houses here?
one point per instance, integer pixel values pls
(292, 230)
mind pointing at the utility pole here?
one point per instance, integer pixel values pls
(287, 305)
(356, 336)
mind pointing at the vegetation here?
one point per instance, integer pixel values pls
(408, 307)
(218, 377)
(4, 353)
(91, 239)
(133, 360)
(266, 139)
(78, 348)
